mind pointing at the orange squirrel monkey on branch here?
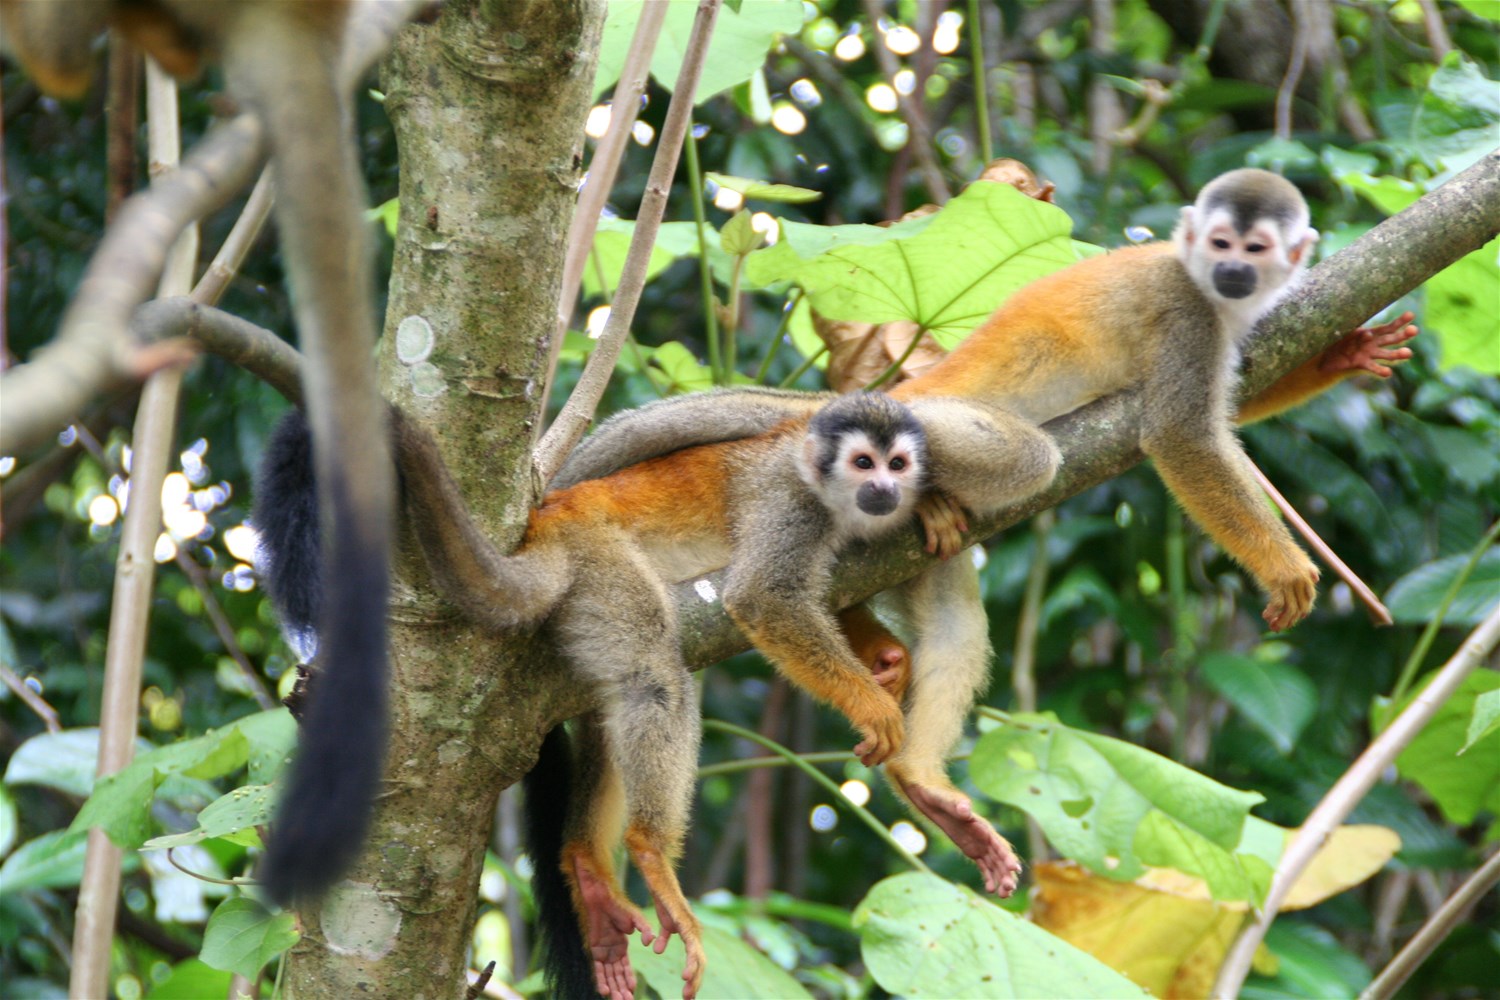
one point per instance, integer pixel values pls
(1165, 319)
(281, 60)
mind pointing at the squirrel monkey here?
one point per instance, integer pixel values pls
(280, 59)
(1166, 318)
(594, 565)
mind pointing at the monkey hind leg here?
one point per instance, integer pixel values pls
(653, 853)
(951, 667)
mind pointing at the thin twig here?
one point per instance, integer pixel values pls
(1378, 612)
(1437, 32)
(135, 577)
(1347, 792)
(625, 108)
(1023, 670)
(579, 410)
(1434, 931)
(31, 699)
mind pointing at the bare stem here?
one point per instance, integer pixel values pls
(579, 410)
(1347, 792)
(625, 108)
(1434, 931)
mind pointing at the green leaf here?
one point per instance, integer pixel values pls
(674, 240)
(763, 190)
(233, 816)
(242, 936)
(9, 821)
(1485, 720)
(121, 806)
(1464, 784)
(1481, 8)
(1311, 962)
(1461, 310)
(1275, 698)
(738, 237)
(924, 937)
(65, 761)
(684, 373)
(735, 970)
(946, 272)
(1414, 599)
(1388, 194)
(1456, 120)
(1091, 794)
(736, 52)
(52, 861)
(1162, 843)
(270, 738)
(387, 213)
(190, 979)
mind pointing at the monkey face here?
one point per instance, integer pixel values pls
(864, 458)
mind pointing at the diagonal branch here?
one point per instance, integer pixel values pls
(1100, 441)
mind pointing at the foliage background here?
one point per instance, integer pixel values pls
(1397, 476)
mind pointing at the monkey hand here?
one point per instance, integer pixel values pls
(878, 718)
(1366, 348)
(1292, 594)
(943, 523)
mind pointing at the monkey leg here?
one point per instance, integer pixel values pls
(596, 819)
(951, 666)
(874, 644)
(620, 631)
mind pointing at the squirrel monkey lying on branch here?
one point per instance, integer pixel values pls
(595, 564)
(1165, 319)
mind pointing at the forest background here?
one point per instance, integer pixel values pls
(1110, 612)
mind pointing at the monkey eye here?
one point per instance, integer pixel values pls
(1220, 243)
(898, 463)
(1254, 247)
(864, 462)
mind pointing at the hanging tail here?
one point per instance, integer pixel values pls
(549, 788)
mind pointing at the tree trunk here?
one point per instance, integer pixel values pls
(488, 106)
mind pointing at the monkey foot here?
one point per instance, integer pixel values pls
(608, 924)
(954, 815)
(685, 927)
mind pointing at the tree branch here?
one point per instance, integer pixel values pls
(1100, 441)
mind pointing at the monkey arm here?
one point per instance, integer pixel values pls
(776, 591)
(1366, 349)
(1197, 455)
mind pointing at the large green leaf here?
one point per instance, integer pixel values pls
(242, 936)
(1462, 784)
(946, 272)
(1457, 117)
(1091, 795)
(735, 970)
(674, 240)
(52, 861)
(1275, 698)
(1461, 309)
(736, 51)
(191, 979)
(924, 937)
(1415, 598)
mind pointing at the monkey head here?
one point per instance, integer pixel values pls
(865, 458)
(1245, 240)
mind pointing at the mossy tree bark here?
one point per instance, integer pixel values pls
(488, 105)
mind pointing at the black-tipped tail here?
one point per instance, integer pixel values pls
(325, 810)
(567, 966)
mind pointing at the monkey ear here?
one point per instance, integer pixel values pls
(1184, 232)
(1303, 246)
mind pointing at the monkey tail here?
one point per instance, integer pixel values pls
(678, 422)
(325, 811)
(568, 969)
